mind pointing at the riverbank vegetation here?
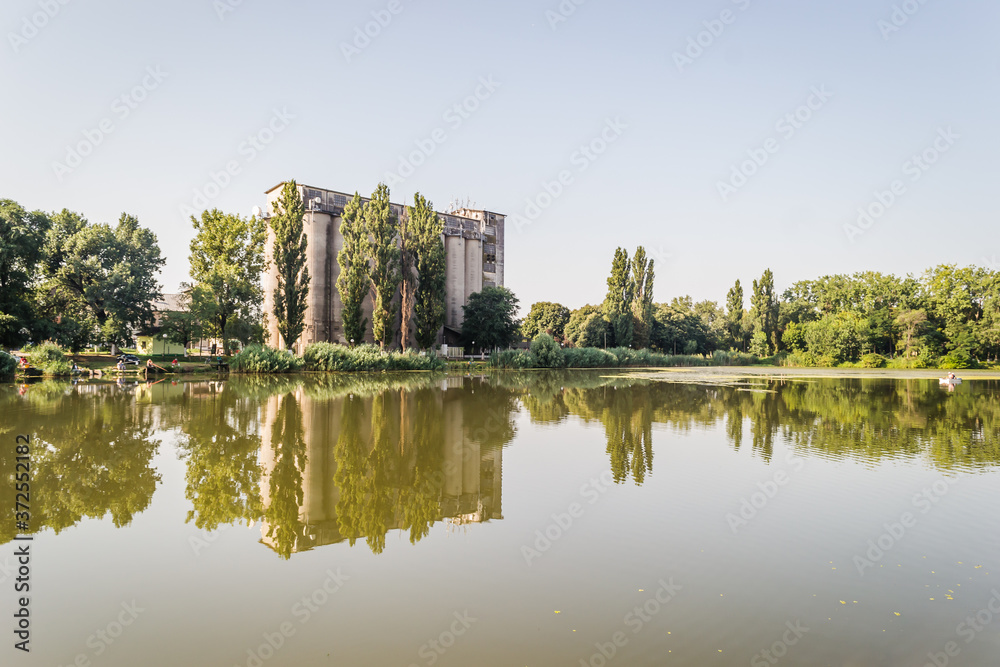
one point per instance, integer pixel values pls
(257, 359)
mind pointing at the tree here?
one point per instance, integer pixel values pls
(423, 240)
(227, 259)
(22, 236)
(642, 307)
(352, 283)
(545, 317)
(734, 315)
(184, 326)
(490, 319)
(618, 302)
(290, 244)
(107, 273)
(764, 311)
(384, 271)
(912, 324)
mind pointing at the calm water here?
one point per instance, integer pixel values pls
(561, 518)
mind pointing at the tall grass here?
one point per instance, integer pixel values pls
(262, 359)
(618, 357)
(331, 357)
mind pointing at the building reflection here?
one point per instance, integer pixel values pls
(356, 467)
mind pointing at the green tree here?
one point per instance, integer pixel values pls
(423, 234)
(490, 319)
(642, 306)
(618, 302)
(764, 311)
(227, 259)
(290, 245)
(22, 236)
(545, 317)
(102, 272)
(575, 324)
(384, 271)
(352, 283)
(734, 316)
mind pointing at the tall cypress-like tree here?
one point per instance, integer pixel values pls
(408, 280)
(618, 303)
(352, 283)
(384, 271)
(734, 315)
(642, 306)
(290, 244)
(764, 309)
(423, 239)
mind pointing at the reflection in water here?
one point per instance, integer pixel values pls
(321, 461)
(91, 454)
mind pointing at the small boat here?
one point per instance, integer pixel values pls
(950, 381)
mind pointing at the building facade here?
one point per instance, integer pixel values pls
(474, 249)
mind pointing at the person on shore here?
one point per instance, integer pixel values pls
(174, 365)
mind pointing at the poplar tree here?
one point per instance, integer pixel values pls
(618, 303)
(352, 283)
(642, 307)
(290, 244)
(764, 310)
(734, 314)
(422, 239)
(384, 271)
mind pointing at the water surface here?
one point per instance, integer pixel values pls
(543, 518)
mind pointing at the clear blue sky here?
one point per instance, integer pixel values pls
(223, 69)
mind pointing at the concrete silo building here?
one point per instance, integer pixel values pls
(474, 249)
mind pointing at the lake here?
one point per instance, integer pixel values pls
(704, 517)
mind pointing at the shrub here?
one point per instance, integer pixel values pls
(8, 365)
(547, 352)
(49, 359)
(332, 357)
(800, 359)
(956, 359)
(512, 359)
(262, 359)
(907, 363)
(872, 360)
(589, 357)
(732, 358)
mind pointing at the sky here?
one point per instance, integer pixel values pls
(724, 136)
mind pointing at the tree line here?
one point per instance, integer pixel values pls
(948, 315)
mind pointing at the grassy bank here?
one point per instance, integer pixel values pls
(328, 357)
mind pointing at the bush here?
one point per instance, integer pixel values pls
(8, 365)
(547, 352)
(732, 358)
(800, 359)
(262, 359)
(907, 363)
(332, 357)
(589, 357)
(49, 359)
(872, 360)
(513, 359)
(955, 360)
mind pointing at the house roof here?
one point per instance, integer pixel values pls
(169, 302)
